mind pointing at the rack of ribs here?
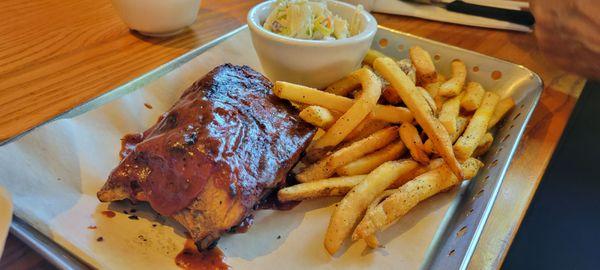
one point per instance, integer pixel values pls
(224, 146)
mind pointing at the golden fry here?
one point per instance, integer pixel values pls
(312, 96)
(371, 161)
(466, 144)
(409, 195)
(317, 116)
(336, 186)
(327, 166)
(365, 128)
(472, 97)
(461, 125)
(449, 114)
(390, 95)
(433, 90)
(408, 68)
(484, 145)
(371, 90)
(454, 85)
(501, 109)
(353, 205)
(344, 86)
(415, 101)
(410, 137)
(371, 240)
(441, 78)
(423, 64)
(371, 56)
(429, 99)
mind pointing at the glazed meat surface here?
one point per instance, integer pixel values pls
(225, 145)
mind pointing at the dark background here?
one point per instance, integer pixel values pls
(561, 229)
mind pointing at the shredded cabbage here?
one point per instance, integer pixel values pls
(307, 19)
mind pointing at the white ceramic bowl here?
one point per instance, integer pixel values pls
(313, 63)
(157, 17)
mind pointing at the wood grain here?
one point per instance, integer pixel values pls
(55, 55)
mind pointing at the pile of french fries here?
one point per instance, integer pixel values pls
(382, 157)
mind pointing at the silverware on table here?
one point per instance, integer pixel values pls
(497, 9)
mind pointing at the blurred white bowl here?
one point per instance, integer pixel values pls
(5, 216)
(315, 63)
(157, 17)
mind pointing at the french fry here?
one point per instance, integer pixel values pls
(408, 68)
(319, 133)
(371, 56)
(461, 125)
(425, 69)
(478, 126)
(327, 166)
(449, 114)
(410, 176)
(371, 240)
(501, 109)
(312, 96)
(454, 85)
(336, 186)
(390, 95)
(353, 205)
(472, 97)
(470, 167)
(343, 86)
(362, 107)
(365, 128)
(484, 145)
(409, 195)
(415, 101)
(410, 137)
(371, 161)
(317, 116)
(441, 78)
(433, 90)
(429, 100)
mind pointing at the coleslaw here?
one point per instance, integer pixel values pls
(306, 19)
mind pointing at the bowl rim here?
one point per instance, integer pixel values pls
(367, 33)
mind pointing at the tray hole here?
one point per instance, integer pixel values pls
(486, 178)
(461, 232)
(436, 57)
(451, 253)
(496, 75)
(383, 42)
(499, 150)
(494, 163)
(478, 194)
(522, 106)
(505, 137)
(470, 212)
(516, 116)
(476, 69)
(400, 47)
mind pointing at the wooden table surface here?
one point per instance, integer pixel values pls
(56, 54)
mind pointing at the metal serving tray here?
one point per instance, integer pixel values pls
(457, 234)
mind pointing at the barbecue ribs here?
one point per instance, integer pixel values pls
(225, 145)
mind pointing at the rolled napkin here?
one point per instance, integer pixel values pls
(437, 13)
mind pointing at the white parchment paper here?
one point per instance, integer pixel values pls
(54, 172)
